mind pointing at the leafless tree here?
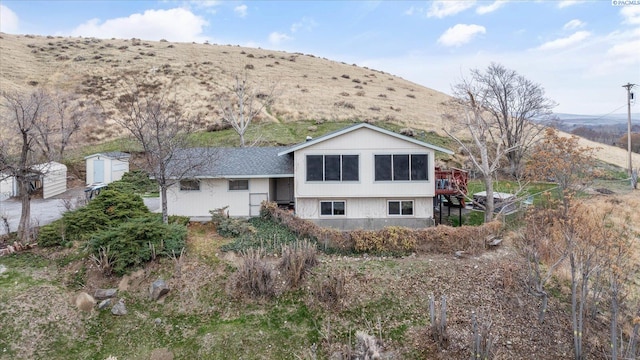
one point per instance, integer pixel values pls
(158, 125)
(243, 103)
(486, 150)
(37, 128)
(513, 102)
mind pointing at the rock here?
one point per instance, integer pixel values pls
(85, 302)
(104, 304)
(102, 294)
(131, 280)
(157, 321)
(459, 254)
(119, 309)
(158, 289)
(3, 269)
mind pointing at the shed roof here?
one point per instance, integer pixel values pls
(248, 162)
(349, 129)
(113, 155)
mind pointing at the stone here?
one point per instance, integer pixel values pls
(85, 302)
(102, 294)
(119, 309)
(157, 321)
(3, 269)
(157, 289)
(104, 304)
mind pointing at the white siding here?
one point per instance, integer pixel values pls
(366, 143)
(55, 180)
(8, 187)
(363, 208)
(213, 194)
(118, 168)
(113, 168)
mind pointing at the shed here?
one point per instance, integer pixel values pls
(51, 177)
(54, 180)
(106, 167)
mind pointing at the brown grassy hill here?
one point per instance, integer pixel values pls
(309, 87)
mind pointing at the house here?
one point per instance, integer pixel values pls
(361, 176)
(106, 167)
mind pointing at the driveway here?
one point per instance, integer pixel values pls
(46, 211)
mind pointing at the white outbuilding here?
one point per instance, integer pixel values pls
(51, 177)
(106, 167)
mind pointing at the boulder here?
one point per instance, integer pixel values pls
(119, 309)
(85, 302)
(104, 304)
(158, 289)
(3, 269)
(102, 294)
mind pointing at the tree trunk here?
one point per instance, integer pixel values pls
(489, 203)
(24, 227)
(165, 208)
(574, 309)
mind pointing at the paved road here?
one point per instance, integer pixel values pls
(46, 211)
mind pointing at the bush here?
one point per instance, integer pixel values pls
(140, 182)
(138, 241)
(108, 209)
(330, 290)
(254, 277)
(230, 227)
(297, 260)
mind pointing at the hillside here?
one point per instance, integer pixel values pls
(308, 87)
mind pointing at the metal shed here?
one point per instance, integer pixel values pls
(106, 167)
(51, 177)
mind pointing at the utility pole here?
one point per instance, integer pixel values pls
(628, 86)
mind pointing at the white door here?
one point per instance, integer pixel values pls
(255, 200)
(98, 171)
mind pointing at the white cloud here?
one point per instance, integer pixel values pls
(491, 8)
(566, 3)
(442, 9)
(173, 24)
(240, 10)
(8, 20)
(631, 15)
(565, 42)
(460, 34)
(306, 24)
(573, 24)
(275, 38)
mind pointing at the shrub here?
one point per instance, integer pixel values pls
(330, 290)
(139, 180)
(230, 227)
(108, 209)
(297, 260)
(136, 241)
(254, 277)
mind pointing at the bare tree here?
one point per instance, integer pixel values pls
(158, 125)
(34, 133)
(513, 102)
(486, 150)
(243, 103)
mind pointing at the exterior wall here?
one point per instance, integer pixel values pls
(8, 187)
(118, 168)
(55, 181)
(214, 194)
(366, 143)
(367, 213)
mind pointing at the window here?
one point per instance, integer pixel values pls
(401, 167)
(235, 185)
(333, 168)
(189, 185)
(331, 208)
(400, 207)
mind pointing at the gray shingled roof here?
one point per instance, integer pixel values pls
(111, 155)
(234, 162)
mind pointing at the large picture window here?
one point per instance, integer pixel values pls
(400, 207)
(333, 168)
(332, 208)
(236, 185)
(189, 185)
(401, 167)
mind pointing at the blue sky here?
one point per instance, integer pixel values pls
(581, 52)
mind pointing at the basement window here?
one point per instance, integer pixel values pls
(400, 208)
(332, 208)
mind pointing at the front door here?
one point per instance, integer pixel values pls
(98, 171)
(255, 200)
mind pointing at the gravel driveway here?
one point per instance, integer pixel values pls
(46, 211)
